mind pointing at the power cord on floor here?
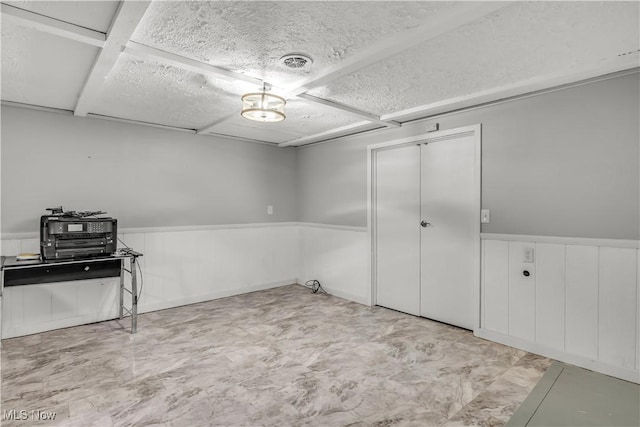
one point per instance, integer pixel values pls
(315, 286)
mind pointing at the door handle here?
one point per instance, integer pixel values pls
(425, 224)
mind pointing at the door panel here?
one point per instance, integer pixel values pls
(397, 229)
(449, 242)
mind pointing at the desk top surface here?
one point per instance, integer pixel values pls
(9, 262)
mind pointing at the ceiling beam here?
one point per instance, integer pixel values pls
(35, 107)
(328, 134)
(350, 110)
(517, 89)
(240, 138)
(138, 122)
(124, 23)
(208, 128)
(442, 23)
(163, 57)
(53, 26)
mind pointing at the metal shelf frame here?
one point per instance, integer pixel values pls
(132, 270)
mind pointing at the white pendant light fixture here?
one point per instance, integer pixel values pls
(263, 106)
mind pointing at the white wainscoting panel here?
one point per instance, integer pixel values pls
(11, 246)
(495, 295)
(184, 265)
(182, 257)
(617, 307)
(550, 299)
(42, 307)
(37, 303)
(178, 267)
(152, 264)
(580, 304)
(337, 258)
(582, 300)
(30, 246)
(522, 292)
(62, 308)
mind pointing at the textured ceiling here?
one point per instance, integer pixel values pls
(250, 37)
(155, 93)
(513, 44)
(186, 64)
(32, 72)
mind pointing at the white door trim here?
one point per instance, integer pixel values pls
(476, 130)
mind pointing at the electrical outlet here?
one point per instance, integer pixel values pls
(269, 210)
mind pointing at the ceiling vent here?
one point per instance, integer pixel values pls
(297, 61)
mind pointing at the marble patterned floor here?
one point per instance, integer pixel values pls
(280, 357)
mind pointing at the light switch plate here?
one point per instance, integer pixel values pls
(529, 255)
(485, 216)
(269, 210)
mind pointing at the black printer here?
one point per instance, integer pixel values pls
(72, 237)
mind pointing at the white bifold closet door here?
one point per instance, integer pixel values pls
(398, 229)
(426, 229)
(449, 243)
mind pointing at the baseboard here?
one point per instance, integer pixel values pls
(583, 362)
(344, 295)
(348, 296)
(334, 226)
(163, 305)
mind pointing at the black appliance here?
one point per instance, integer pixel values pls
(73, 237)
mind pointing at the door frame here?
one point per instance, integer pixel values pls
(372, 150)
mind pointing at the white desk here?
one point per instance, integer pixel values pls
(24, 273)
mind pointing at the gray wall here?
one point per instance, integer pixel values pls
(564, 163)
(143, 176)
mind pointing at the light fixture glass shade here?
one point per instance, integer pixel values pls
(263, 107)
